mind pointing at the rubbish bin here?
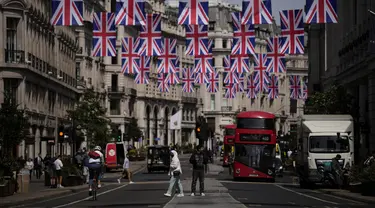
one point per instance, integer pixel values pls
(23, 180)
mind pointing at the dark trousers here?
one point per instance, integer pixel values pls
(38, 172)
(198, 174)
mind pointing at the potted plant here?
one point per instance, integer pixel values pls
(367, 177)
(354, 179)
(71, 174)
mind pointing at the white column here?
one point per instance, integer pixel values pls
(151, 132)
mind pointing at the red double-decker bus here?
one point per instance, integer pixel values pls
(228, 142)
(255, 143)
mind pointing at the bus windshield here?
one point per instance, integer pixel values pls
(255, 155)
(328, 144)
(256, 123)
(230, 132)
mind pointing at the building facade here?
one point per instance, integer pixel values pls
(343, 53)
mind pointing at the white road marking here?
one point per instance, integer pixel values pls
(254, 205)
(170, 201)
(153, 206)
(291, 203)
(341, 198)
(305, 195)
(237, 201)
(265, 183)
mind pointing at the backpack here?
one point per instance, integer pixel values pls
(94, 155)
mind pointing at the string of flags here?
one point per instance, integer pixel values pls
(136, 52)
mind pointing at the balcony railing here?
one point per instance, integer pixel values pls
(116, 89)
(14, 56)
(226, 108)
(189, 99)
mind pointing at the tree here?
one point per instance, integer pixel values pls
(133, 131)
(335, 100)
(13, 125)
(90, 116)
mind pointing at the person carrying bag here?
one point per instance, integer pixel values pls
(175, 173)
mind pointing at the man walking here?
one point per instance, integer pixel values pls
(126, 171)
(58, 167)
(198, 159)
(38, 164)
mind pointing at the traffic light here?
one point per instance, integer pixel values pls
(60, 134)
(198, 126)
(119, 136)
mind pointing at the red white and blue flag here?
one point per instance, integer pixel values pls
(321, 11)
(173, 78)
(243, 36)
(275, 59)
(230, 91)
(295, 86)
(251, 87)
(240, 85)
(261, 77)
(104, 34)
(67, 12)
(167, 60)
(204, 63)
(231, 77)
(213, 82)
(305, 91)
(292, 32)
(256, 12)
(130, 12)
(193, 12)
(150, 36)
(129, 55)
(240, 63)
(187, 80)
(196, 40)
(143, 76)
(163, 84)
(201, 78)
(226, 62)
(273, 87)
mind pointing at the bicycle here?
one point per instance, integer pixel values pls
(94, 186)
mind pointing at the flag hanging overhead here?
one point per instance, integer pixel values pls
(230, 91)
(143, 76)
(240, 85)
(275, 59)
(167, 60)
(201, 78)
(243, 36)
(187, 80)
(130, 12)
(273, 88)
(256, 12)
(196, 40)
(163, 85)
(230, 77)
(204, 63)
(150, 36)
(304, 91)
(193, 12)
(240, 63)
(321, 11)
(104, 34)
(226, 62)
(251, 91)
(294, 86)
(292, 32)
(67, 12)
(173, 78)
(261, 77)
(129, 55)
(213, 82)
(175, 120)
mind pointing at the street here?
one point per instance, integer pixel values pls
(148, 190)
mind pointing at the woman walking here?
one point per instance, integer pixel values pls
(175, 173)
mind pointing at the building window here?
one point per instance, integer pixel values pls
(12, 55)
(11, 88)
(114, 60)
(114, 107)
(211, 26)
(114, 83)
(212, 102)
(225, 43)
(51, 101)
(213, 62)
(293, 106)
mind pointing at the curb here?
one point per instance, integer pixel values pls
(348, 197)
(64, 192)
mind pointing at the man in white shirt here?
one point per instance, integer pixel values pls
(126, 170)
(58, 166)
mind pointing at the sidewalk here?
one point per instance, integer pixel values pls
(349, 195)
(37, 190)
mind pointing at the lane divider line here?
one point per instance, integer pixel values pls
(305, 195)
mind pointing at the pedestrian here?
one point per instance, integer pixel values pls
(175, 172)
(337, 170)
(198, 159)
(58, 167)
(370, 160)
(126, 170)
(85, 159)
(38, 165)
(30, 166)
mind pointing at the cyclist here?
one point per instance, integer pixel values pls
(95, 164)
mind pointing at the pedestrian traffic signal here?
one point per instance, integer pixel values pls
(119, 136)
(60, 134)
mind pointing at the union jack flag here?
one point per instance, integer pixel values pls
(173, 78)
(295, 86)
(273, 88)
(256, 12)
(305, 91)
(129, 55)
(240, 63)
(196, 40)
(230, 91)
(226, 62)
(201, 78)
(150, 36)
(130, 12)
(177, 64)
(143, 76)
(275, 59)
(292, 32)
(251, 87)
(231, 77)
(204, 63)
(104, 34)
(213, 82)
(67, 12)
(193, 12)
(240, 86)
(163, 85)
(243, 36)
(261, 78)
(167, 60)
(321, 11)
(187, 80)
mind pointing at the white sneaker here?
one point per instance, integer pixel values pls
(202, 194)
(119, 181)
(99, 185)
(131, 182)
(167, 195)
(61, 186)
(192, 194)
(180, 195)
(90, 189)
